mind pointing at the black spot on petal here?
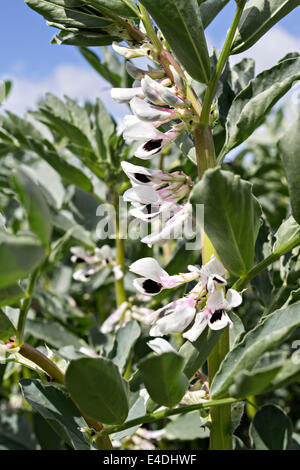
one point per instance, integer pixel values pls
(151, 287)
(153, 144)
(216, 316)
(142, 178)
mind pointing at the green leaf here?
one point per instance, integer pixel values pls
(196, 353)
(289, 149)
(186, 427)
(99, 389)
(19, 256)
(258, 17)
(250, 106)
(51, 332)
(163, 378)
(35, 204)
(101, 67)
(124, 342)
(266, 336)
(69, 16)
(58, 410)
(231, 217)
(126, 8)
(256, 381)
(271, 429)
(5, 88)
(180, 22)
(6, 327)
(10, 294)
(70, 173)
(209, 9)
(288, 374)
(288, 231)
(83, 39)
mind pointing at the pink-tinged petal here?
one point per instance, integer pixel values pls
(219, 320)
(233, 298)
(148, 268)
(114, 318)
(201, 321)
(146, 112)
(214, 267)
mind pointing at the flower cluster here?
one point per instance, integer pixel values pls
(154, 103)
(93, 262)
(158, 195)
(206, 304)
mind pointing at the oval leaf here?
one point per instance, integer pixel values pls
(289, 149)
(6, 327)
(163, 378)
(35, 204)
(180, 22)
(258, 17)
(267, 336)
(99, 390)
(271, 429)
(250, 107)
(231, 217)
(19, 256)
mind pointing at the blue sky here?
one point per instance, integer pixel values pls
(37, 66)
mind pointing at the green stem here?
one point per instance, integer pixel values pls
(168, 412)
(243, 281)
(119, 283)
(42, 361)
(210, 91)
(25, 306)
(149, 28)
(220, 431)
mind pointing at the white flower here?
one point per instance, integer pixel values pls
(139, 130)
(156, 144)
(214, 314)
(146, 112)
(125, 95)
(160, 346)
(171, 228)
(158, 93)
(140, 175)
(212, 274)
(152, 280)
(129, 53)
(175, 317)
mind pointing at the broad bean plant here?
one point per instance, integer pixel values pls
(149, 275)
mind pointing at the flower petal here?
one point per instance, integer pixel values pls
(219, 320)
(148, 268)
(160, 346)
(201, 321)
(147, 286)
(145, 112)
(233, 298)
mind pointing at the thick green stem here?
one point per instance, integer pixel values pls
(220, 431)
(211, 88)
(25, 306)
(169, 412)
(42, 361)
(119, 283)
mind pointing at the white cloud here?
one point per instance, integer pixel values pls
(270, 48)
(78, 82)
